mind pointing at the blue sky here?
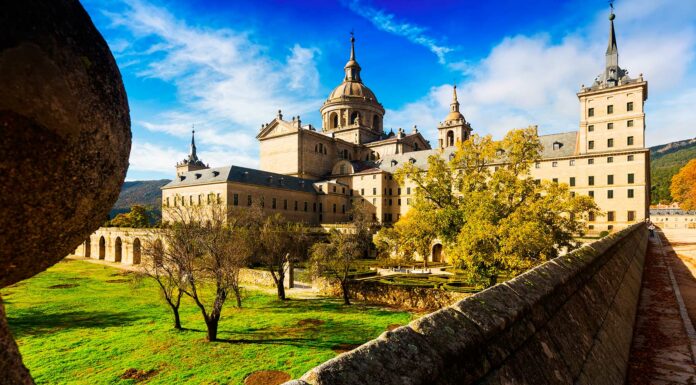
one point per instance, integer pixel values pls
(228, 66)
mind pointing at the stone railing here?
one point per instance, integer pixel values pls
(568, 321)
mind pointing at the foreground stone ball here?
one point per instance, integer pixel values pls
(64, 133)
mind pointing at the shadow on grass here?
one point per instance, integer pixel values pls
(29, 322)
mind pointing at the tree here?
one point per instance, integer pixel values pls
(138, 217)
(159, 267)
(683, 188)
(208, 245)
(337, 258)
(277, 244)
(486, 208)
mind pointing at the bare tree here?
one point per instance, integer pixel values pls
(280, 241)
(167, 275)
(338, 257)
(209, 245)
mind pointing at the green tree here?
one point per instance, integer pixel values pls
(138, 217)
(484, 205)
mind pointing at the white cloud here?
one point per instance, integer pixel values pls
(387, 22)
(226, 83)
(534, 79)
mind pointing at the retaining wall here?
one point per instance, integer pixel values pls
(568, 321)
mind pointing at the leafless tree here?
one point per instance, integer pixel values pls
(159, 267)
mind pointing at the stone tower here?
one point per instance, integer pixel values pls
(191, 163)
(611, 110)
(454, 128)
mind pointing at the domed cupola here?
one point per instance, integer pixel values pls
(352, 104)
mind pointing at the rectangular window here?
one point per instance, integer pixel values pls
(306, 206)
(610, 109)
(631, 216)
(629, 123)
(398, 201)
(610, 126)
(571, 162)
(590, 193)
(334, 207)
(590, 180)
(630, 158)
(167, 201)
(374, 176)
(610, 179)
(590, 161)
(631, 178)
(390, 191)
(314, 207)
(555, 180)
(390, 202)
(343, 209)
(630, 193)
(629, 106)
(374, 201)
(610, 142)
(374, 191)
(590, 128)
(554, 164)
(590, 145)
(408, 201)
(537, 165)
(273, 203)
(629, 141)
(591, 217)
(235, 199)
(610, 159)
(248, 200)
(572, 181)
(610, 194)
(398, 191)
(296, 206)
(285, 204)
(610, 216)
(408, 191)
(362, 191)
(590, 112)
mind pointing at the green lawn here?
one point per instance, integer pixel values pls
(93, 332)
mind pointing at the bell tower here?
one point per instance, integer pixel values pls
(190, 163)
(455, 128)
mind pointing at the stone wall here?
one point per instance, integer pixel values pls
(260, 277)
(568, 321)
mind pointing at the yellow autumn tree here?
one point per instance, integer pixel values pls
(683, 188)
(488, 211)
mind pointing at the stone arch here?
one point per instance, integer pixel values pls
(450, 138)
(158, 249)
(136, 251)
(88, 248)
(118, 250)
(437, 253)
(333, 120)
(102, 248)
(355, 115)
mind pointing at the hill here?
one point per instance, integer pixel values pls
(665, 161)
(140, 192)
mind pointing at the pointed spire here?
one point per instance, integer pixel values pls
(352, 68)
(454, 106)
(192, 152)
(454, 114)
(612, 55)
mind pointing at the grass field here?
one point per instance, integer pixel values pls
(84, 323)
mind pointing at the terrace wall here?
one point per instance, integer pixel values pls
(568, 321)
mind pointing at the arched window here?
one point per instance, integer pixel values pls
(118, 250)
(333, 120)
(102, 248)
(450, 138)
(355, 118)
(375, 122)
(136, 251)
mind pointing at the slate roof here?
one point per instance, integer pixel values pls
(567, 141)
(242, 175)
(671, 212)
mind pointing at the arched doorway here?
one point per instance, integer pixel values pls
(158, 251)
(355, 118)
(450, 138)
(437, 253)
(118, 249)
(136, 251)
(88, 248)
(333, 120)
(102, 248)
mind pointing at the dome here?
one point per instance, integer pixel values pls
(454, 115)
(352, 90)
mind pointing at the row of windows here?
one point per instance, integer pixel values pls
(630, 178)
(610, 159)
(610, 109)
(387, 191)
(192, 200)
(276, 206)
(610, 143)
(610, 125)
(611, 216)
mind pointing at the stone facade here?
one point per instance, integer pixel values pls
(673, 218)
(116, 244)
(314, 175)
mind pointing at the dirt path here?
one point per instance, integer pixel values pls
(661, 351)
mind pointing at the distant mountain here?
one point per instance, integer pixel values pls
(140, 192)
(665, 161)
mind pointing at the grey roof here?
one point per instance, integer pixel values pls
(242, 175)
(671, 212)
(565, 147)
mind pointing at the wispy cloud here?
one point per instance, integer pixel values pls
(226, 83)
(389, 23)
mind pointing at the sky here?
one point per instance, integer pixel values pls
(227, 67)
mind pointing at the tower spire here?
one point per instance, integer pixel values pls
(352, 68)
(192, 152)
(612, 54)
(454, 106)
